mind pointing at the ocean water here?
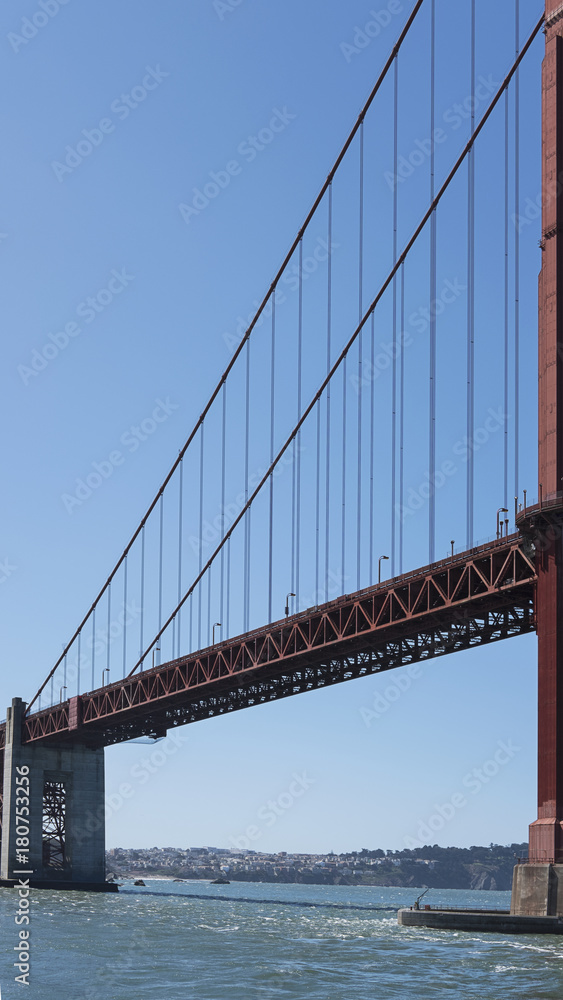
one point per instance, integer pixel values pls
(196, 941)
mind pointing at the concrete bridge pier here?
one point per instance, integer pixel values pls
(53, 822)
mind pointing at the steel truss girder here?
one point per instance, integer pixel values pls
(482, 596)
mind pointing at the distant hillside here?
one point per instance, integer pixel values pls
(436, 867)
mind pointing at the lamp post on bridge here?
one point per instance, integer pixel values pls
(501, 510)
(381, 558)
(287, 604)
(216, 625)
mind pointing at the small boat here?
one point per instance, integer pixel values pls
(220, 881)
(139, 881)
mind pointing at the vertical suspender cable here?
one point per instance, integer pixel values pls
(142, 616)
(125, 617)
(93, 647)
(78, 665)
(517, 263)
(160, 567)
(246, 609)
(272, 438)
(109, 632)
(328, 365)
(297, 463)
(223, 491)
(343, 491)
(209, 633)
(180, 543)
(228, 601)
(402, 424)
(471, 302)
(506, 286)
(371, 445)
(200, 565)
(433, 224)
(394, 293)
(360, 359)
(318, 502)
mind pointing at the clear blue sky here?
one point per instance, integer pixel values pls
(211, 76)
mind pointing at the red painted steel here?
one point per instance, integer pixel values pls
(474, 598)
(546, 834)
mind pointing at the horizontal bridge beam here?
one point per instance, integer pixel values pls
(474, 598)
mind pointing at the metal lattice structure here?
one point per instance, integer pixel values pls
(54, 825)
(477, 598)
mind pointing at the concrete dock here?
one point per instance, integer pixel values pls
(491, 921)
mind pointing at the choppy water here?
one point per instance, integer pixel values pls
(261, 942)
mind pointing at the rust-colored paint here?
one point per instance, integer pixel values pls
(477, 597)
(546, 834)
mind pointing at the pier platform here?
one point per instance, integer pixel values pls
(490, 921)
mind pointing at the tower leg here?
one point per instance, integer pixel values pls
(536, 885)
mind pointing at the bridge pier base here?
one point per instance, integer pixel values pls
(53, 821)
(537, 891)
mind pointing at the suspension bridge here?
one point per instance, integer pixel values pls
(294, 476)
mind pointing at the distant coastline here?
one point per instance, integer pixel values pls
(482, 868)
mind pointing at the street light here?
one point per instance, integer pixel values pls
(453, 543)
(105, 671)
(381, 558)
(216, 625)
(155, 650)
(501, 510)
(287, 604)
(61, 693)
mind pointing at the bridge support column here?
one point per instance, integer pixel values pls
(61, 792)
(538, 887)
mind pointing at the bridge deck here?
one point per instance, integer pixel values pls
(471, 599)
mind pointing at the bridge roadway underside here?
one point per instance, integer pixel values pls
(475, 598)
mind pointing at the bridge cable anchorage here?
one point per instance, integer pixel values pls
(383, 288)
(246, 337)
